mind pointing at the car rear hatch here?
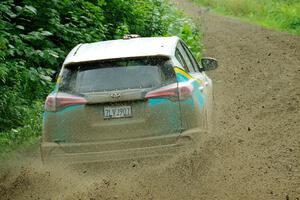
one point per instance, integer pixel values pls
(114, 100)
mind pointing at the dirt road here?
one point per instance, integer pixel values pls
(253, 152)
(258, 111)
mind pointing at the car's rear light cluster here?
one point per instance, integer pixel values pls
(58, 101)
(175, 91)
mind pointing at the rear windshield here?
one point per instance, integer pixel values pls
(120, 74)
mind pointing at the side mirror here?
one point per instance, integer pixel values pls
(209, 64)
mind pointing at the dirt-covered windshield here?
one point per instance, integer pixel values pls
(131, 73)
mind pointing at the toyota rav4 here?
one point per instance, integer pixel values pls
(127, 98)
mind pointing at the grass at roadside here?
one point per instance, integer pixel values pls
(283, 15)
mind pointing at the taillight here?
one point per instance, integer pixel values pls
(180, 91)
(57, 101)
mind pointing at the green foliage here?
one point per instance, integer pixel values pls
(29, 132)
(35, 36)
(280, 14)
(185, 29)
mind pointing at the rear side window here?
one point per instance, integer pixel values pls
(191, 56)
(188, 64)
(134, 73)
(179, 57)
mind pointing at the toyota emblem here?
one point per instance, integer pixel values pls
(115, 95)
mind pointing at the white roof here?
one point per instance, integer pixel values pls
(123, 48)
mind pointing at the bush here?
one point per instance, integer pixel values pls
(35, 36)
(29, 132)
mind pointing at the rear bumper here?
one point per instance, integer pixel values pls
(121, 150)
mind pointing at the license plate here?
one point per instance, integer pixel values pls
(117, 112)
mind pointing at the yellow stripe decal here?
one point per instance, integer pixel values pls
(59, 78)
(181, 71)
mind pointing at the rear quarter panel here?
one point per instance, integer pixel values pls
(193, 109)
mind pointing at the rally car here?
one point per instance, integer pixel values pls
(128, 98)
